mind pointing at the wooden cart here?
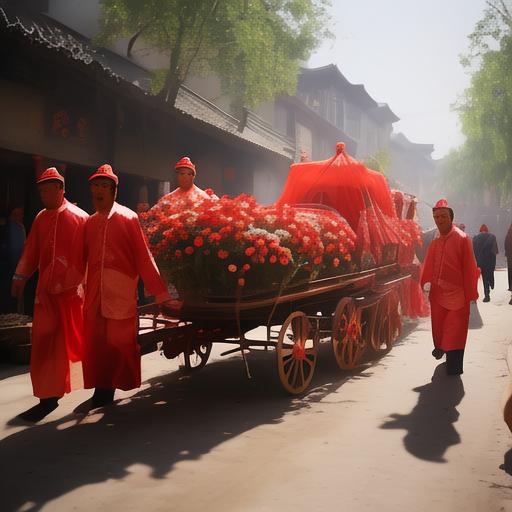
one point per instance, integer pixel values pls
(354, 312)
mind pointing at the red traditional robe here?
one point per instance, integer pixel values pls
(451, 269)
(55, 247)
(117, 255)
(193, 195)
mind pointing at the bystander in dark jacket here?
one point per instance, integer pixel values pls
(508, 254)
(485, 248)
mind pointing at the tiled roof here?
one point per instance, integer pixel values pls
(357, 91)
(52, 35)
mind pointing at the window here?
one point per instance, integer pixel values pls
(353, 121)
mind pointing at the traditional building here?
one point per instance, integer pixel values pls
(348, 108)
(413, 170)
(68, 104)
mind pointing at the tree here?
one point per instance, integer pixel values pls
(254, 46)
(485, 110)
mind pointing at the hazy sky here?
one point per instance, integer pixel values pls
(406, 54)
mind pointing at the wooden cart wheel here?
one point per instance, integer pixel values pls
(374, 334)
(296, 350)
(389, 321)
(347, 339)
(395, 315)
(196, 357)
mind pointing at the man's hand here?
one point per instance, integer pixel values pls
(426, 287)
(17, 287)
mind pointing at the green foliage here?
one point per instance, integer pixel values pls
(254, 46)
(379, 162)
(485, 110)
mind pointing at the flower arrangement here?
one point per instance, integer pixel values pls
(229, 246)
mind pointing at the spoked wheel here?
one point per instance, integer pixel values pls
(297, 347)
(395, 311)
(347, 339)
(380, 326)
(389, 321)
(196, 357)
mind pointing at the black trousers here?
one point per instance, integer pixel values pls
(455, 362)
(509, 267)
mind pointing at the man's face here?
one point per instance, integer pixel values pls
(443, 220)
(51, 194)
(184, 177)
(103, 194)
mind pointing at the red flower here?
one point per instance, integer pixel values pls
(250, 251)
(198, 241)
(222, 254)
(189, 249)
(232, 268)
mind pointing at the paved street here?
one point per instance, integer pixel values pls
(384, 437)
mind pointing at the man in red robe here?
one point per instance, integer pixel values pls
(186, 191)
(117, 255)
(54, 247)
(452, 275)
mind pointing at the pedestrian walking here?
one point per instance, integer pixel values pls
(54, 247)
(485, 248)
(13, 238)
(508, 254)
(117, 255)
(451, 275)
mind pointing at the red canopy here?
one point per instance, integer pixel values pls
(340, 182)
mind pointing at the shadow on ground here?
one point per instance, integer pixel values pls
(429, 426)
(175, 418)
(11, 370)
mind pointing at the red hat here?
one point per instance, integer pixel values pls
(105, 171)
(442, 203)
(50, 174)
(484, 228)
(185, 162)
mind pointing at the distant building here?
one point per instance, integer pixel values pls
(348, 108)
(413, 170)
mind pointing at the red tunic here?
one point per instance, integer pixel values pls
(451, 269)
(193, 195)
(117, 254)
(55, 247)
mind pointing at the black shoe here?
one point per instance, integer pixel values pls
(487, 299)
(102, 397)
(510, 301)
(438, 353)
(39, 411)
